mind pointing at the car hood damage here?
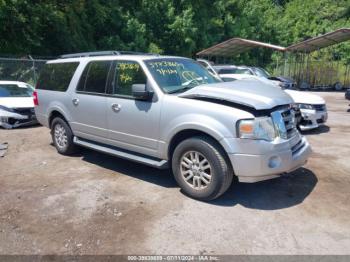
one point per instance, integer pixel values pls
(16, 112)
(248, 92)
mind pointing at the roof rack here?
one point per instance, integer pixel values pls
(104, 53)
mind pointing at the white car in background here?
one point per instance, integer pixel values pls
(16, 104)
(312, 107)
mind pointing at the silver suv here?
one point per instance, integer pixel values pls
(166, 111)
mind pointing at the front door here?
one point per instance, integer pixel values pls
(133, 124)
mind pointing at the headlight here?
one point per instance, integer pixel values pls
(305, 106)
(259, 128)
(6, 109)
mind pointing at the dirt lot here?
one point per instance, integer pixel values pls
(96, 204)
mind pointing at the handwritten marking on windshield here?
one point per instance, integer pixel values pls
(166, 71)
(162, 64)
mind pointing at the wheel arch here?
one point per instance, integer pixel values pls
(56, 113)
(188, 133)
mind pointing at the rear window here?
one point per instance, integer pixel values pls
(56, 77)
(11, 90)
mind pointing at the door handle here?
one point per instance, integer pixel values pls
(75, 101)
(116, 107)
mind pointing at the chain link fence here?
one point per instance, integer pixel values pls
(21, 69)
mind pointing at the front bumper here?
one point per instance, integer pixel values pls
(258, 167)
(312, 119)
(9, 120)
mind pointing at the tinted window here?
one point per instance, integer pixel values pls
(128, 73)
(11, 90)
(56, 77)
(227, 71)
(94, 77)
(82, 80)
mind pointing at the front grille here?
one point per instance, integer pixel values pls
(320, 107)
(13, 121)
(284, 122)
(289, 122)
(25, 111)
(296, 148)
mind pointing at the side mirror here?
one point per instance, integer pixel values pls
(140, 92)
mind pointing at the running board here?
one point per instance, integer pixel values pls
(161, 164)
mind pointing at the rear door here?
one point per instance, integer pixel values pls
(88, 102)
(133, 124)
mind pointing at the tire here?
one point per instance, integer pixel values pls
(62, 137)
(191, 177)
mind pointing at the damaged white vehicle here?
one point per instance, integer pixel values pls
(312, 108)
(16, 104)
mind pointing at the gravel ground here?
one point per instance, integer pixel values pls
(96, 204)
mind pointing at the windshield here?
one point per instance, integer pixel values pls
(261, 72)
(175, 75)
(11, 90)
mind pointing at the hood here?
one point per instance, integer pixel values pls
(16, 102)
(247, 92)
(305, 97)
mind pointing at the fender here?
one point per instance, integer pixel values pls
(202, 123)
(59, 107)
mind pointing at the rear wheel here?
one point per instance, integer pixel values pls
(62, 137)
(201, 168)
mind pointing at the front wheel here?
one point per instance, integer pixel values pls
(201, 168)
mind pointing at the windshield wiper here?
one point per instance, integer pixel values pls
(183, 89)
(190, 85)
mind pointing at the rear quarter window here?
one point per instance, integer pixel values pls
(56, 77)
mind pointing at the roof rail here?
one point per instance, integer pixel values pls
(104, 53)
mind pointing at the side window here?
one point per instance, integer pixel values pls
(94, 77)
(56, 76)
(127, 73)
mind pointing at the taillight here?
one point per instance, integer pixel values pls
(35, 98)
